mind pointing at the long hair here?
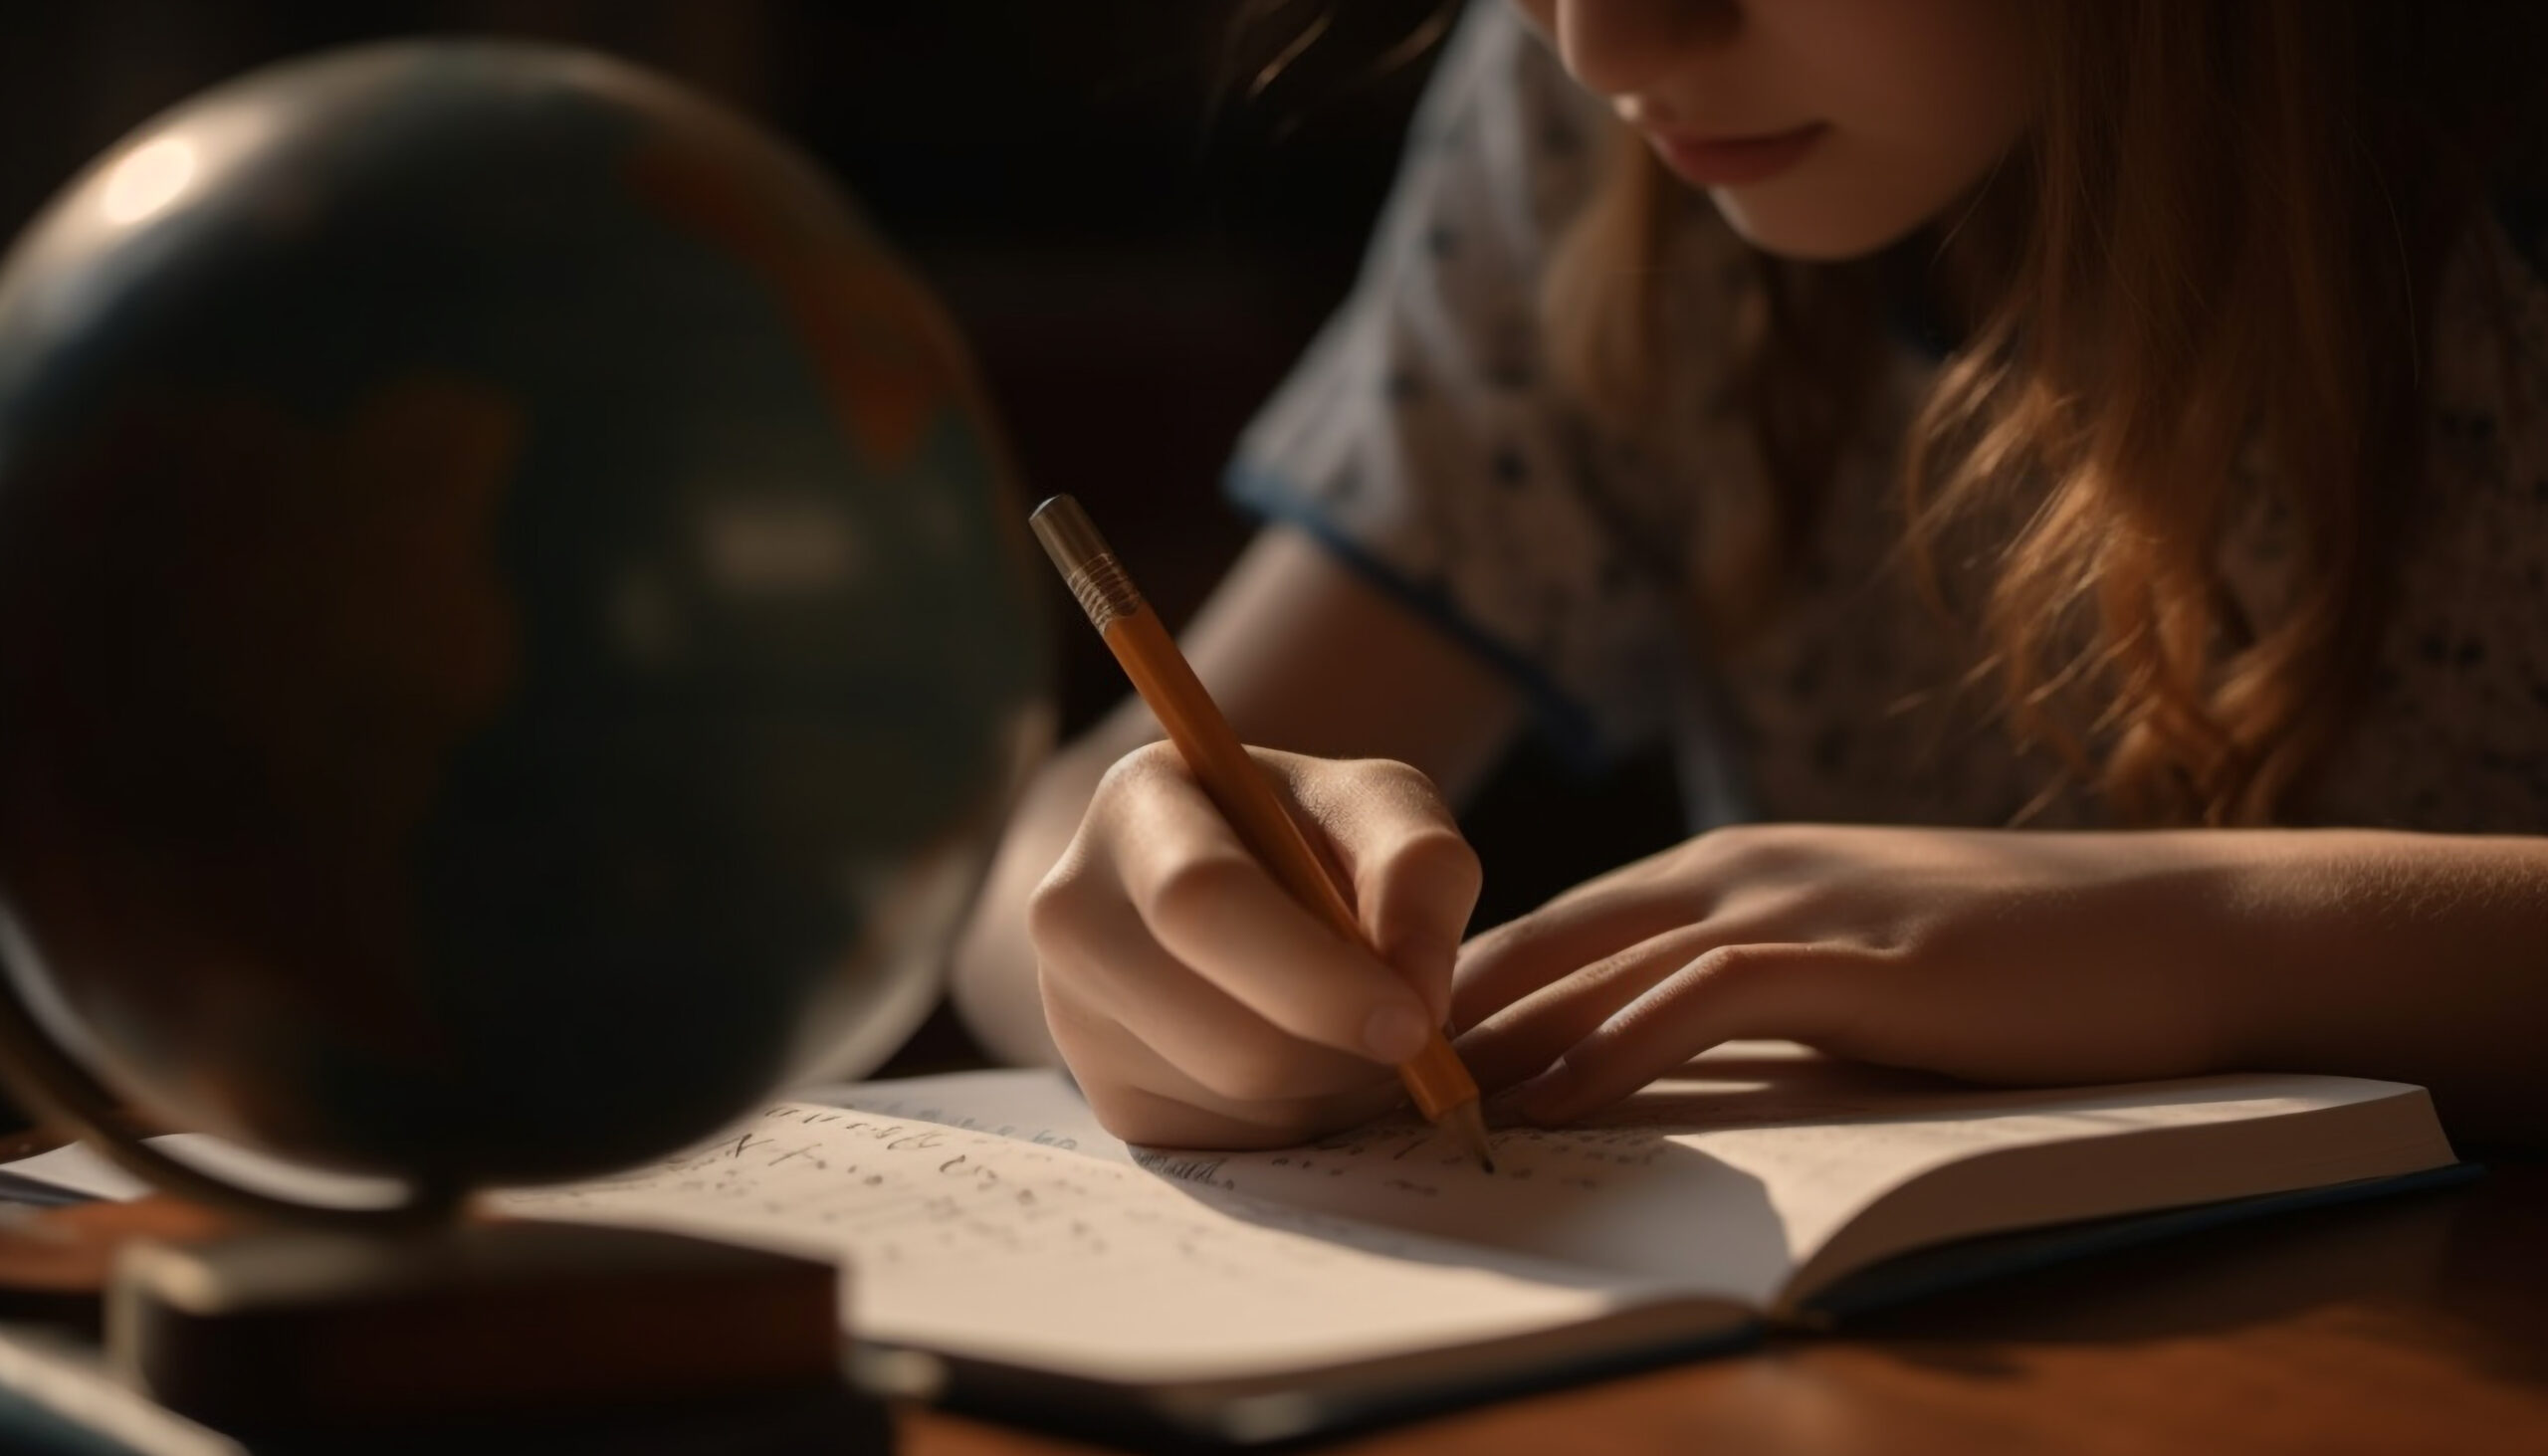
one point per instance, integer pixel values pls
(2217, 243)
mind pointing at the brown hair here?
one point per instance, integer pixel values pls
(2215, 243)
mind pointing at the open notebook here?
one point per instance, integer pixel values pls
(1002, 1245)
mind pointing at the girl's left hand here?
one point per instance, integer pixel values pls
(1997, 955)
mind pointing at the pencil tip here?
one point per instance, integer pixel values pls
(1470, 1123)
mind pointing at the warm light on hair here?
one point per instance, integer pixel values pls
(2208, 266)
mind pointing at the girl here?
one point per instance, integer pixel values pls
(2097, 450)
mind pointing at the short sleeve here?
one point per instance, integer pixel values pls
(1420, 439)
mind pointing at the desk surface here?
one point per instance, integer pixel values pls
(2414, 1323)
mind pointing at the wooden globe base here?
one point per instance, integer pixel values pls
(485, 1329)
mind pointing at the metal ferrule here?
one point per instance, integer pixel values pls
(1105, 591)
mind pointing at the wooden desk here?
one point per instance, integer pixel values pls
(2413, 1324)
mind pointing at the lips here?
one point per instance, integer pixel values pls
(1731, 162)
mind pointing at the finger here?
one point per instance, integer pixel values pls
(1213, 906)
(1522, 1039)
(1141, 1097)
(1414, 879)
(1730, 992)
(1592, 921)
(1106, 961)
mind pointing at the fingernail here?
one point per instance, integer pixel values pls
(1396, 1033)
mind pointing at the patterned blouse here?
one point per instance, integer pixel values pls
(1419, 440)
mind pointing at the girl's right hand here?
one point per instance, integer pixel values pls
(1198, 1003)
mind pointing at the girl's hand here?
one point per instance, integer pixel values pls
(1196, 1002)
(1997, 955)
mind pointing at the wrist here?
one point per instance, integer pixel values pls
(2421, 957)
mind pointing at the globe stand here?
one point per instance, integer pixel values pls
(567, 1334)
(325, 1328)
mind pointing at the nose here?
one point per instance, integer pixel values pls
(1621, 48)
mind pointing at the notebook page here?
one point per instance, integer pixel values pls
(974, 1244)
(1035, 1105)
(1720, 1181)
(1728, 1178)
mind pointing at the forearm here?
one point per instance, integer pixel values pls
(992, 980)
(2413, 957)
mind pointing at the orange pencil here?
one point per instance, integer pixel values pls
(1435, 1078)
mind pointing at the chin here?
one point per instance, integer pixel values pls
(1794, 228)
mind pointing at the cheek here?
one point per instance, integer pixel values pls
(1924, 96)
(1944, 85)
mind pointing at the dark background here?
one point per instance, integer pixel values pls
(1137, 237)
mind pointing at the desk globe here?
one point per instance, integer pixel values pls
(514, 639)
